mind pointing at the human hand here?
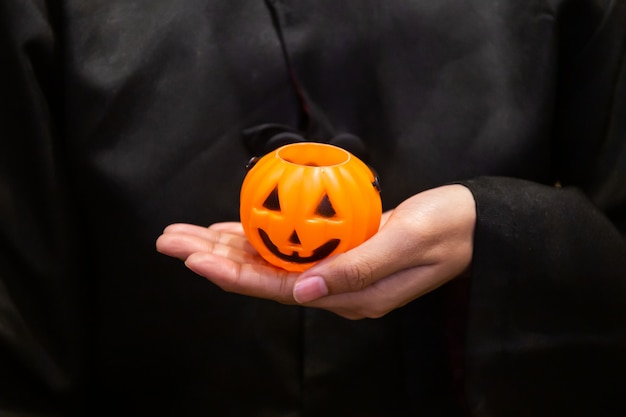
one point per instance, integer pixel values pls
(423, 243)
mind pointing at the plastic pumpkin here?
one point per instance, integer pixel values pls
(306, 201)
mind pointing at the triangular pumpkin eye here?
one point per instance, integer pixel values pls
(325, 208)
(272, 202)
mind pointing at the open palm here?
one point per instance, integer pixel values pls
(422, 244)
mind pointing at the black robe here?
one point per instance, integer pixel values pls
(119, 117)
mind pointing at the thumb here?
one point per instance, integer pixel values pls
(382, 255)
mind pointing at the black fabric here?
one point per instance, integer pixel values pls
(546, 314)
(119, 117)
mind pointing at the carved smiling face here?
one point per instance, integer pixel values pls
(307, 201)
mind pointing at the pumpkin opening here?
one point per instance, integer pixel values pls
(305, 153)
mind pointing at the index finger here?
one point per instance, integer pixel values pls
(259, 280)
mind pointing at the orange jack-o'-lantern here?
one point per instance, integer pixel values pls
(306, 201)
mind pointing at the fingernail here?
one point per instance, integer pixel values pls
(310, 289)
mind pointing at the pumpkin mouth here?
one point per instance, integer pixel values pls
(319, 253)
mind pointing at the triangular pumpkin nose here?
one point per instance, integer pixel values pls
(294, 238)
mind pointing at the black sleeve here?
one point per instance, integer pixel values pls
(547, 319)
(41, 312)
